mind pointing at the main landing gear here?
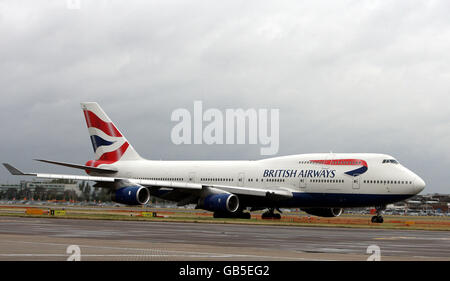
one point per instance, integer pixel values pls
(270, 214)
(379, 218)
(236, 215)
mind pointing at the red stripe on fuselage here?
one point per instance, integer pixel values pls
(341, 162)
(93, 121)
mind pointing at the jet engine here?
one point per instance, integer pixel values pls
(131, 195)
(217, 200)
(224, 202)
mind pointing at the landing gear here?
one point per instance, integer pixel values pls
(270, 214)
(237, 215)
(379, 217)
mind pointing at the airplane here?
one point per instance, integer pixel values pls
(321, 184)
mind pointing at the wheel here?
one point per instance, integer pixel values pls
(377, 219)
(246, 216)
(222, 215)
(270, 215)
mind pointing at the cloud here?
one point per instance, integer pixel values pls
(347, 76)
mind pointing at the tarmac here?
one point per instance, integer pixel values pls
(30, 239)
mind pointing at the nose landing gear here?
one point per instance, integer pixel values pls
(379, 217)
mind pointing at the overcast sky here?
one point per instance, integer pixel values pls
(346, 76)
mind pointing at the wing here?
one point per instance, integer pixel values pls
(192, 189)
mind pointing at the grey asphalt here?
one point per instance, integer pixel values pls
(48, 239)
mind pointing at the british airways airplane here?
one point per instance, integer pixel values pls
(321, 184)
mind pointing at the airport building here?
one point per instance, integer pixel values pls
(429, 204)
(59, 188)
(9, 190)
(39, 190)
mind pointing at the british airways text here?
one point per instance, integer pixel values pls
(299, 173)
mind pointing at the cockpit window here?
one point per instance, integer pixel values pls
(390, 161)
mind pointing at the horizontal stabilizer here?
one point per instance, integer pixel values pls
(14, 171)
(83, 167)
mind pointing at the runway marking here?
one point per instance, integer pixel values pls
(394, 238)
(411, 238)
(124, 255)
(163, 254)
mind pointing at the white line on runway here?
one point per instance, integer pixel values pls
(163, 254)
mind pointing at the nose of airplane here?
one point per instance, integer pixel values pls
(419, 184)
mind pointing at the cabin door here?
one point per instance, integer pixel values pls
(241, 179)
(302, 184)
(356, 182)
(191, 177)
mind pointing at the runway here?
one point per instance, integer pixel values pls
(48, 239)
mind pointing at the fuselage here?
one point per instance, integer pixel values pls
(316, 180)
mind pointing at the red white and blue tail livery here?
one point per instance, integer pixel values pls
(107, 141)
(321, 184)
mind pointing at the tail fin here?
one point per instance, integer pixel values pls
(108, 142)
